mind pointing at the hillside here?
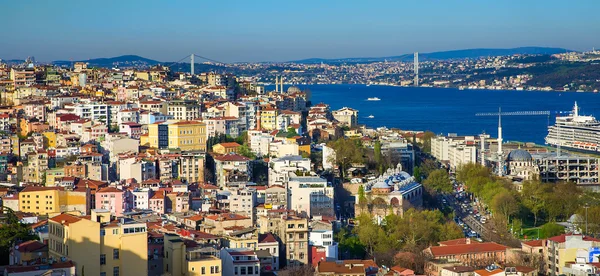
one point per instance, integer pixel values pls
(444, 55)
(121, 61)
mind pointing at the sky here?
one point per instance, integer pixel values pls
(255, 30)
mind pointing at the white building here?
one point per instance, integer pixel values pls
(239, 261)
(141, 197)
(280, 167)
(310, 194)
(454, 150)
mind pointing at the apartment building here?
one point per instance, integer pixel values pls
(99, 245)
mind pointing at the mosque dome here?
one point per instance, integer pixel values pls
(519, 155)
(381, 185)
(293, 89)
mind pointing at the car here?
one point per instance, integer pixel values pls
(483, 220)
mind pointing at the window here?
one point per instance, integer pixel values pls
(243, 270)
(116, 271)
(102, 232)
(217, 269)
(102, 273)
(301, 236)
(256, 270)
(103, 259)
(301, 256)
(203, 270)
(116, 254)
(235, 270)
(212, 270)
(115, 231)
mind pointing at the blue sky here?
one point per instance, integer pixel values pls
(254, 30)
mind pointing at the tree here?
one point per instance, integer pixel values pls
(347, 151)
(362, 199)
(438, 181)
(534, 197)
(551, 229)
(377, 153)
(244, 150)
(505, 204)
(428, 166)
(242, 138)
(417, 173)
(427, 141)
(291, 132)
(12, 232)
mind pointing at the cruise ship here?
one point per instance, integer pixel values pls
(577, 132)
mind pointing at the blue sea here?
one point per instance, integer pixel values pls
(449, 110)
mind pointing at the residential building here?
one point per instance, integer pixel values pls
(186, 257)
(347, 268)
(240, 261)
(231, 169)
(346, 116)
(185, 110)
(99, 245)
(114, 200)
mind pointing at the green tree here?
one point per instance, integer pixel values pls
(551, 229)
(427, 136)
(242, 138)
(438, 181)
(12, 232)
(534, 197)
(428, 166)
(505, 204)
(417, 173)
(244, 150)
(347, 151)
(377, 153)
(291, 132)
(362, 199)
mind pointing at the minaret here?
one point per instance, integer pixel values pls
(192, 64)
(281, 82)
(416, 68)
(482, 150)
(276, 84)
(499, 132)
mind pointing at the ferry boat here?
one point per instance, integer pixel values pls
(370, 116)
(576, 132)
(373, 99)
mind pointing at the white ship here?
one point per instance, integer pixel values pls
(575, 132)
(373, 99)
(370, 116)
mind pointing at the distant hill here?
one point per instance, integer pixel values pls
(445, 55)
(121, 61)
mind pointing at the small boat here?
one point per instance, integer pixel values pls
(373, 99)
(370, 116)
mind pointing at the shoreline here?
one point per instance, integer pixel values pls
(436, 87)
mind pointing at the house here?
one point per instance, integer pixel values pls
(347, 267)
(226, 148)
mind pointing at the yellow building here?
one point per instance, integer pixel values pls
(225, 148)
(99, 245)
(268, 118)
(49, 139)
(54, 200)
(187, 135)
(184, 135)
(180, 259)
(41, 200)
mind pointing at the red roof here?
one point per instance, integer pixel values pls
(229, 145)
(438, 251)
(534, 243)
(227, 216)
(109, 190)
(562, 238)
(231, 157)
(268, 237)
(458, 241)
(30, 246)
(40, 188)
(65, 219)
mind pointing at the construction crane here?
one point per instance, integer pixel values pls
(525, 113)
(521, 113)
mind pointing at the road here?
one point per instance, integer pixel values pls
(473, 223)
